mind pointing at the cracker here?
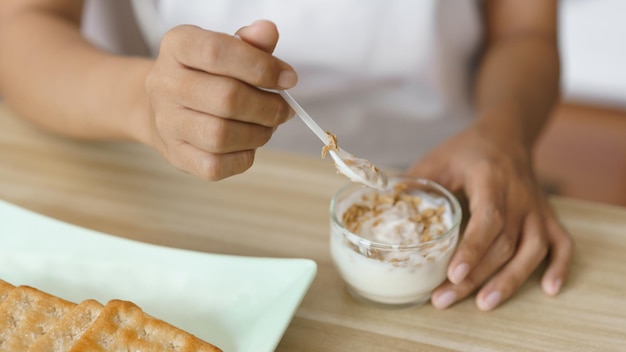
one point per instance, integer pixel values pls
(26, 314)
(69, 329)
(5, 289)
(123, 326)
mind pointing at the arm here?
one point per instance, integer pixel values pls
(52, 76)
(197, 103)
(518, 78)
(511, 227)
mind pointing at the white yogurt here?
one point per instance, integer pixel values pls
(387, 260)
(358, 170)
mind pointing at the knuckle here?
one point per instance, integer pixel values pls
(560, 237)
(162, 80)
(156, 81)
(210, 167)
(169, 40)
(506, 285)
(513, 281)
(507, 282)
(230, 98)
(282, 112)
(265, 135)
(495, 215)
(470, 252)
(215, 167)
(215, 135)
(538, 240)
(508, 247)
(173, 153)
(470, 284)
(541, 245)
(246, 159)
(175, 37)
(485, 166)
(183, 40)
(212, 172)
(264, 72)
(211, 48)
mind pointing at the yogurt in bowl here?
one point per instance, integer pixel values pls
(392, 247)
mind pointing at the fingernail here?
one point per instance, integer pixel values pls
(287, 79)
(444, 300)
(553, 287)
(490, 301)
(459, 273)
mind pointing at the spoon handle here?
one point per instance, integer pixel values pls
(319, 132)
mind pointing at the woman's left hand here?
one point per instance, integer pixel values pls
(511, 228)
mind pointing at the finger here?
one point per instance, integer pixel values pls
(561, 252)
(214, 134)
(487, 202)
(532, 250)
(223, 97)
(432, 170)
(209, 166)
(261, 34)
(497, 255)
(225, 55)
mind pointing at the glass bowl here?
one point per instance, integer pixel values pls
(393, 247)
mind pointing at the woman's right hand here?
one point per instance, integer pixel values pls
(207, 114)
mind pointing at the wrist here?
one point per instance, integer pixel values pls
(508, 125)
(139, 128)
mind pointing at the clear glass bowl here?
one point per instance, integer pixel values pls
(391, 274)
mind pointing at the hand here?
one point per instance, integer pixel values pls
(207, 114)
(512, 227)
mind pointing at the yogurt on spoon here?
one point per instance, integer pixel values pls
(356, 169)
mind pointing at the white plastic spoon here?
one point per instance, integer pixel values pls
(356, 169)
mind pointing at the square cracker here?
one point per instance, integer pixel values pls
(5, 289)
(69, 328)
(26, 314)
(123, 326)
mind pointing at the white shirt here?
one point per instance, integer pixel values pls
(391, 79)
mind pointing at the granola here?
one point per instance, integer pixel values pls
(395, 217)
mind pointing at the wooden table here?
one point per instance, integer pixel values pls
(280, 209)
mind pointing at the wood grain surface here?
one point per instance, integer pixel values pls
(279, 208)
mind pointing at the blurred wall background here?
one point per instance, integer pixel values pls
(582, 153)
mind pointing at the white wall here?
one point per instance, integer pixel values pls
(593, 51)
(593, 44)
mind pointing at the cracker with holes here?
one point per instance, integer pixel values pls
(69, 329)
(27, 314)
(123, 326)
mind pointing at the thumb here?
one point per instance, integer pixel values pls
(261, 34)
